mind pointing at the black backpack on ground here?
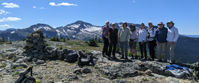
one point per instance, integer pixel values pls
(26, 79)
(84, 59)
(72, 57)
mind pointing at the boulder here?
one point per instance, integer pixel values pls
(40, 62)
(17, 57)
(23, 64)
(10, 50)
(120, 80)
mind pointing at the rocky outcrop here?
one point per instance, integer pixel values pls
(36, 47)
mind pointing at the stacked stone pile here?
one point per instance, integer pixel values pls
(36, 47)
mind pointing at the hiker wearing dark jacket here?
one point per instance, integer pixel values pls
(112, 37)
(123, 39)
(161, 36)
(142, 40)
(172, 37)
(151, 40)
(105, 38)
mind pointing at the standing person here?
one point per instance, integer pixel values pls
(123, 38)
(105, 38)
(142, 40)
(133, 40)
(151, 40)
(112, 37)
(172, 37)
(161, 36)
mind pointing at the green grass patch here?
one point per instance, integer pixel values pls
(1, 42)
(15, 74)
(47, 44)
(95, 67)
(119, 78)
(145, 79)
(3, 65)
(20, 67)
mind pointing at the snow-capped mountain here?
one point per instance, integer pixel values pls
(77, 30)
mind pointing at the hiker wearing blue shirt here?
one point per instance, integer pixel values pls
(172, 37)
(160, 37)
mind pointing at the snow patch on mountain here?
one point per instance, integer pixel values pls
(92, 29)
(74, 26)
(12, 32)
(42, 27)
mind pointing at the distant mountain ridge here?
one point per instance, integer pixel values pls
(192, 36)
(186, 48)
(77, 30)
(9, 29)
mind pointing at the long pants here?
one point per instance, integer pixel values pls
(110, 49)
(159, 48)
(151, 45)
(143, 48)
(171, 47)
(105, 48)
(124, 45)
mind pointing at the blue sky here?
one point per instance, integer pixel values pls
(22, 13)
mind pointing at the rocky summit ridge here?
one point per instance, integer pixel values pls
(49, 66)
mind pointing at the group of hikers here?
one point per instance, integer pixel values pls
(162, 37)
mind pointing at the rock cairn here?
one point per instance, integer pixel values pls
(36, 47)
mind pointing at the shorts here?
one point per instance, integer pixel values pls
(132, 45)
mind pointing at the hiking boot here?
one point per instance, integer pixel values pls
(172, 62)
(121, 57)
(136, 57)
(141, 56)
(159, 60)
(132, 58)
(104, 55)
(109, 58)
(113, 57)
(145, 58)
(126, 58)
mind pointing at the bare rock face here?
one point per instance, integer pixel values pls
(36, 47)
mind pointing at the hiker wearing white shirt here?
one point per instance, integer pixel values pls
(133, 40)
(151, 40)
(142, 40)
(172, 37)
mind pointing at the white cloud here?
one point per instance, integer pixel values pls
(52, 4)
(133, 0)
(3, 12)
(10, 19)
(62, 4)
(10, 5)
(41, 7)
(5, 25)
(34, 6)
(41, 19)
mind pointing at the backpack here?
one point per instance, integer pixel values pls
(84, 59)
(26, 79)
(196, 71)
(72, 57)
